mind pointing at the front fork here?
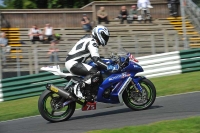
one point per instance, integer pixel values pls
(136, 84)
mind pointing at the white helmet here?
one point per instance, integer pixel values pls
(101, 34)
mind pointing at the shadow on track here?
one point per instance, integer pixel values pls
(117, 111)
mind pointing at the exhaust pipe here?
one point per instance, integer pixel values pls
(63, 93)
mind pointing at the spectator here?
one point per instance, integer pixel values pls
(53, 52)
(102, 15)
(173, 7)
(144, 4)
(123, 14)
(48, 32)
(3, 44)
(86, 23)
(35, 34)
(133, 13)
(170, 7)
(57, 38)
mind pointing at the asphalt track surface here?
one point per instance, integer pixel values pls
(165, 108)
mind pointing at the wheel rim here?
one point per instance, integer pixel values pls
(140, 100)
(49, 105)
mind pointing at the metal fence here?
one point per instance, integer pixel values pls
(193, 13)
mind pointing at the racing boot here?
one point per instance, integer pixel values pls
(78, 87)
(86, 91)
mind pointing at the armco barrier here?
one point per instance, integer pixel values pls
(27, 86)
(170, 63)
(154, 66)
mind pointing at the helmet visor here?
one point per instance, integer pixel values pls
(105, 37)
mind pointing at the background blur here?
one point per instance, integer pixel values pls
(163, 34)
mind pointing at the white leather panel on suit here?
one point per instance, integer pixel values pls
(83, 49)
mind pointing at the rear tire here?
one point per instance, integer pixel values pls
(133, 98)
(44, 110)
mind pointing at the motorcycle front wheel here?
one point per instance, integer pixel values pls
(137, 100)
(51, 108)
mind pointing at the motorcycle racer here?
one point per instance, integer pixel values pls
(83, 49)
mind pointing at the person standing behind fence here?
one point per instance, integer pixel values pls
(3, 44)
(123, 14)
(53, 52)
(144, 4)
(85, 21)
(173, 7)
(48, 32)
(35, 34)
(102, 15)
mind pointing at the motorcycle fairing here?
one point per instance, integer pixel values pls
(116, 93)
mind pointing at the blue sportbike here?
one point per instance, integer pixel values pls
(58, 103)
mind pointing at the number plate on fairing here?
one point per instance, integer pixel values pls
(89, 106)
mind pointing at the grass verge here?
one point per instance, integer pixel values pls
(176, 84)
(164, 85)
(188, 125)
(20, 108)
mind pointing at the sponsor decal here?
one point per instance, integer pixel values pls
(116, 77)
(54, 89)
(123, 75)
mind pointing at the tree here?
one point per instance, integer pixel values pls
(41, 4)
(20, 4)
(197, 2)
(31, 4)
(54, 4)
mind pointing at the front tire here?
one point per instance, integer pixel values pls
(140, 101)
(47, 103)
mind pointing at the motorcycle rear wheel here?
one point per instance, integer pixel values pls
(140, 101)
(47, 103)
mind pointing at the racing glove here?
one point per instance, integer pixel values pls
(113, 68)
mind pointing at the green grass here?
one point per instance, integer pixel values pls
(176, 84)
(20, 108)
(164, 85)
(189, 125)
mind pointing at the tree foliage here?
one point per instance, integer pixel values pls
(197, 2)
(43, 4)
(20, 4)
